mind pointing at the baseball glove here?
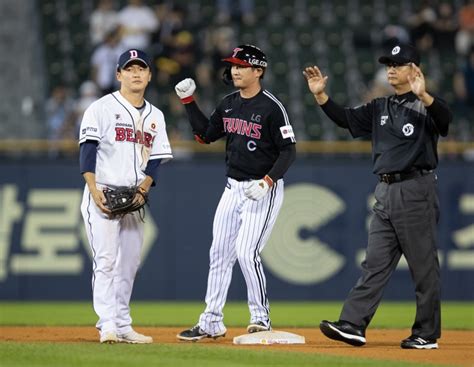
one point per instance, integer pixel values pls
(124, 200)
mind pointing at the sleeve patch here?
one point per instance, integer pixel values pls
(287, 132)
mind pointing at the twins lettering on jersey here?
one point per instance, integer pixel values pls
(242, 127)
(130, 135)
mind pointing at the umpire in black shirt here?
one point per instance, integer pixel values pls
(404, 128)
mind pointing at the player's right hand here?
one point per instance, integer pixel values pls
(99, 200)
(185, 88)
(316, 81)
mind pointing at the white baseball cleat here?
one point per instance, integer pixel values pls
(132, 337)
(109, 337)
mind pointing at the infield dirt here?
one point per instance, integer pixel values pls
(456, 347)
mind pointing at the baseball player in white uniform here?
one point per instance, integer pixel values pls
(122, 141)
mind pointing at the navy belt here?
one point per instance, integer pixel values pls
(390, 178)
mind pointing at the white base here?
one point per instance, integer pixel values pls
(270, 337)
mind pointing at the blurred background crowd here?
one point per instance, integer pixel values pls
(63, 55)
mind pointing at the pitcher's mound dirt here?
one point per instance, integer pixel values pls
(456, 347)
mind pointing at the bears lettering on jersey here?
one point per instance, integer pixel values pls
(242, 127)
(127, 134)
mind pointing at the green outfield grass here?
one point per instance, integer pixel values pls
(188, 355)
(456, 315)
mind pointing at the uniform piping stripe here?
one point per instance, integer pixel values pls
(134, 150)
(90, 137)
(226, 259)
(285, 115)
(263, 295)
(94, 264)
(148, 114)
(162, 155)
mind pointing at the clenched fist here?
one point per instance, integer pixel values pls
(185, 89)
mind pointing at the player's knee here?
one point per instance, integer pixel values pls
(105, 263)
(245, 258)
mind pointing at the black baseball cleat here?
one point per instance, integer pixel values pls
(416, 342)
(258, 326)
(343, 331)
(196, 333)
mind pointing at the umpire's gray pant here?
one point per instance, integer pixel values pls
(404, 222)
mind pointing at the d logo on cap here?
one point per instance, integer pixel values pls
(395, 50)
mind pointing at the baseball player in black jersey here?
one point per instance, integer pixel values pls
(405, 128)
(260, 147)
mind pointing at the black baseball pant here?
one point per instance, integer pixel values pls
(404, 222)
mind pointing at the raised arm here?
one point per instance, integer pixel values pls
(317, 84)
(204, 131)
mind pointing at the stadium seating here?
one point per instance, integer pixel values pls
(341, 36)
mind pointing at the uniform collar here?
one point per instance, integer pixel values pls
(132, 109)
(251, 98)
(405, 97)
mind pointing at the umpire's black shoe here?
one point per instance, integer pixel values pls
(196, 333)
(415, 342)
(343, 331)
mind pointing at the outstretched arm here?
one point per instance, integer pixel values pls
(316, 84)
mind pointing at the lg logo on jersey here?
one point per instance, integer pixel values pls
(408, 129)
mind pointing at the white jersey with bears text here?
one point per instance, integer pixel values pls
(127, 140)
(121, 132)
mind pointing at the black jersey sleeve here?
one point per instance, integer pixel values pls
(216, 127)
(281, 130)
(285, 159)
(360, 119)
(441, 115)
(208, 130)
(336, 113)
(199, 122)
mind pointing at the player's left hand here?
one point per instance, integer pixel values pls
(185, 88)
(416, 80)
(258, 188)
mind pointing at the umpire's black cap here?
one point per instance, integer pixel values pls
(402, 53)
(247, 55)
(133, 55)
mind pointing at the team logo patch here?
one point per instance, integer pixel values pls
(383, 120)
(287, 132)
(408, 129)
(395, 50)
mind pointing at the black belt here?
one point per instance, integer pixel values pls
(390, 178)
